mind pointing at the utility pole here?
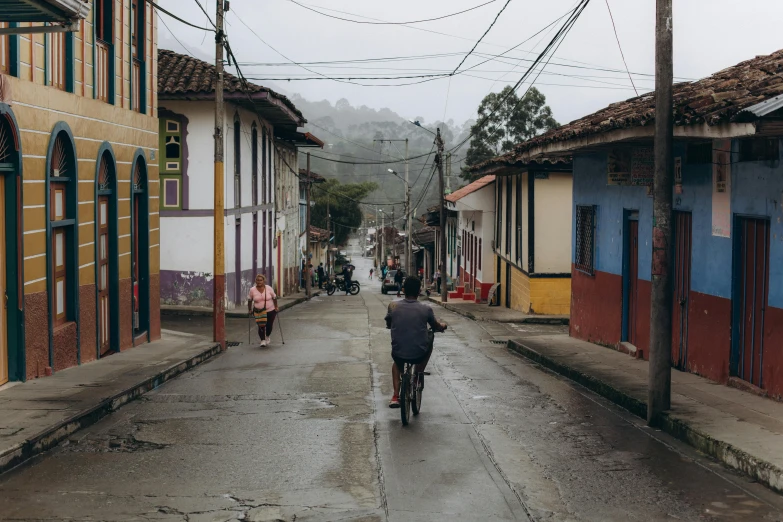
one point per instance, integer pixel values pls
(659, 375)
(444, 293)
(409, 223)
(328, 234)
(448, 173)
(383, 241)
(219, 261)
(308, 282)
(394, 238)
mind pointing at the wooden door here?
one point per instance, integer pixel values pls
(135, 263)
(682, 288)
(633, 279)
(104, 307)
(752, 276)
(3, 290)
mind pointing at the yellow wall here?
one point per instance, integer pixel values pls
(538, 295)
(37, 109)
(551, 296)
(32, 56)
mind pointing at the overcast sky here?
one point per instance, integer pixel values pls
(709, 36)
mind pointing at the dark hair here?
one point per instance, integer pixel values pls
(412, 286)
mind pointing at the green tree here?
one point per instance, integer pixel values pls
(514, 121)
(342, 200)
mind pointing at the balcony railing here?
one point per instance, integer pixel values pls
(137, 85)
(102, 71)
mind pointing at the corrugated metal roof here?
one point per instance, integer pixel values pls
(43, 10)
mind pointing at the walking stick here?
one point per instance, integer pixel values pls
(279, 325)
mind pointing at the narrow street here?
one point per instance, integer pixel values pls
(302, 431)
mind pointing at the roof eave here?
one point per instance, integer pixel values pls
(639, 134)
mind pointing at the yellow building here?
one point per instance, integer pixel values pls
(532, 243)
(79, 197)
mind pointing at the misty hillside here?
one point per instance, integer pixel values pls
(349, 132)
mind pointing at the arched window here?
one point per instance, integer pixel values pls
(140, 246)
(62, 213)
(106, 248)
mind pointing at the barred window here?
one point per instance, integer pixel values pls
(585, 239)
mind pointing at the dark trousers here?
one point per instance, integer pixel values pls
(270, 321)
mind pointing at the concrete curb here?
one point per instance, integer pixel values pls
(531, 319)
(204, 311)
(761, 471)
(55, 434)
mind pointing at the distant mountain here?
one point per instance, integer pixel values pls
(349, 132)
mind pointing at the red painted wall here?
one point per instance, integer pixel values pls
(773, 352)
(596, 307)
(709, 336)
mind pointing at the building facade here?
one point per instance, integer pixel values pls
(255, 119)
(532, 231)
(725, 263)
(78, 145)
(474, 205)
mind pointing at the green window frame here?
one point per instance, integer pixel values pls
(171, 162)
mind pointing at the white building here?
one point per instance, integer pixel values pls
(473, 257)
(258, 123)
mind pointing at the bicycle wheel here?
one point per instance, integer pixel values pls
(405, 403)
(355, 288)
(416, 390)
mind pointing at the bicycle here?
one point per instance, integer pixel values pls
(411, 387)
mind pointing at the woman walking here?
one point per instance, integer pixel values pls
(262, 303)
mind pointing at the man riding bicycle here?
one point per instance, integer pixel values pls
(411, 341)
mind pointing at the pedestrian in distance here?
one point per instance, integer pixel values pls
(399, 276)
(436, 277)
(311, 274)
(371, 272)
(321, 275)
(262, 305)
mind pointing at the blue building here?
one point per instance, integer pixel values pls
(727, 257)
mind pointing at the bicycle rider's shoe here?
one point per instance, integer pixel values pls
(394, 402)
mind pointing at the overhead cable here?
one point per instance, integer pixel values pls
(393, 23)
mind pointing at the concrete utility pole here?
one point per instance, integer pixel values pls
(382, 259)
(394, 238)
(308, 282)
(448, 173)
(660, 377)
(444, 293)
(328, 234)
(409, 223)
(219, 261)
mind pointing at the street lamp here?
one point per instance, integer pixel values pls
(418, 124)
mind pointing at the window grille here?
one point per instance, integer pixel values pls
(584, 258)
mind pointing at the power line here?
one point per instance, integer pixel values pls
(198, 3)
(172, 33)
(620, 46)
(175, 17)
(482, 36)
(346, 139)
(393, 23)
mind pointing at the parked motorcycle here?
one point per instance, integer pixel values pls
(339, 284)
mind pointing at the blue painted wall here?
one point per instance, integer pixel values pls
(756, 190)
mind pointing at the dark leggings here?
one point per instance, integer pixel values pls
(264, 332)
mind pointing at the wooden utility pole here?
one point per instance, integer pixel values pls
(659, 375)
(308, 282)
(444, 293)
(394, 240)
(219, 261)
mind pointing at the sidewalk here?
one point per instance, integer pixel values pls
(742, 430)
(36, 415)
(484, 312)
(283, 303)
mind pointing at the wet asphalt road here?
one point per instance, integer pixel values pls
(302, 431)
